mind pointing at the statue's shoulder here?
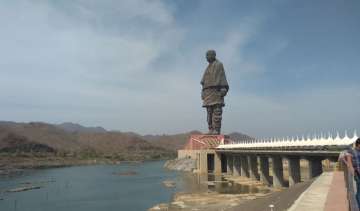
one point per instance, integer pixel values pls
(219, 63)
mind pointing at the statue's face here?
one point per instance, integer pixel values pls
(210, 56)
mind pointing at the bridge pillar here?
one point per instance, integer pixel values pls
(230, 164)
(315, 166)
(218, 185)
(217, 163)
(294, 170)
(264, 170)
(277, 171)
(244, 166)
(237, 164)
(203, 162)
(254, 174)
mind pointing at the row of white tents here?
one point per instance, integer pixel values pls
(314, 141)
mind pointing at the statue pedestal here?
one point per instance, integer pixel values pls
(204, 141)
(202, 149)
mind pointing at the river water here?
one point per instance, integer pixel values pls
(91, 188)
(127, 187)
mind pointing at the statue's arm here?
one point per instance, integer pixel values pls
(202, 79)
(225, 87)
(224, 91)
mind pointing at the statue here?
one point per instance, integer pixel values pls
(214, 89)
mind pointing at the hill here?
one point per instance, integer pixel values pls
(235, 136)
(13, 143)
(77, 128)
(30, 137)
(91, 142)
(171, 142)
(42, 133)
(122, 146)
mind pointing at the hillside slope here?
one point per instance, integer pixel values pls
(35, 137)
(74, 139)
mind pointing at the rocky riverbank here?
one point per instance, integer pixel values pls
(14, 165)
(210, 201)
(183, 164)
(219, 194)
(232, 193)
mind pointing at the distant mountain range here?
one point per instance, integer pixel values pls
(76, 128)
(74, 138)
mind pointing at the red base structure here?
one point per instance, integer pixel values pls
(197, 142)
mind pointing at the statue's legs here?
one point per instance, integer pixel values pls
(210, 110)
(216, 118)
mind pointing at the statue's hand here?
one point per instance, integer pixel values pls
(223, 92)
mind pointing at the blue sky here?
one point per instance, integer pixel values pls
(135, 65)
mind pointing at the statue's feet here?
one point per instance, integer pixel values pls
(213, 132)
(216, 132)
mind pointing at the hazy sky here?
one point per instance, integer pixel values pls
(135, 65)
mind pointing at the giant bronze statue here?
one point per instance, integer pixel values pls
(214, 89)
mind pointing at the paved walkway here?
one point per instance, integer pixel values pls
(337, 199)
(327, 193)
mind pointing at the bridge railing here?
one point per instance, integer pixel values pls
(350, 187)
(315, 141)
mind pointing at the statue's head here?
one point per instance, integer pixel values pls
(210, 56)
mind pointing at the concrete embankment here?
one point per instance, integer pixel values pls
(182, 164)
(324, 193)
(281, 200)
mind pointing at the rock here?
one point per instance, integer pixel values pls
(179, 204)
(183, 164)
(20, 189)
(160, 207)
(169, 184)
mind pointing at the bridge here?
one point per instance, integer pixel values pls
(256, 158)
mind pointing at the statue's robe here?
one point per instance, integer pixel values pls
(213, 85)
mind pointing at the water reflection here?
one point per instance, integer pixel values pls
(89, 188)
(196, 183)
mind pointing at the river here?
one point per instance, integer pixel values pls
(91, 188)
(128, 186)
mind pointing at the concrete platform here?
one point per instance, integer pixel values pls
(327, 192)
(337, 199)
